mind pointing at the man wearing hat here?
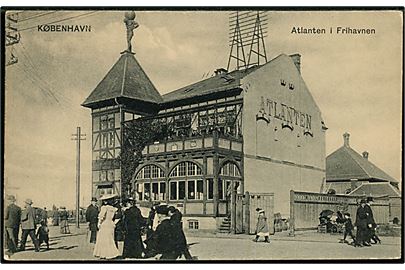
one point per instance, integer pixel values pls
(12, 219)
(92, 219)
(28, 225)
(162, 240)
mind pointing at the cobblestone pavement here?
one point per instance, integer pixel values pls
(305, 245)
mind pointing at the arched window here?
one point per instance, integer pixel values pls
(151, 184)
(186, 182)
(228, 172)
(186, 168)
(150, 171)
(230, 169)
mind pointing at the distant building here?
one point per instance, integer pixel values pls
(256, 130)
(348, 172)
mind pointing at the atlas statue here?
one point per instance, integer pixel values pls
(131, 25)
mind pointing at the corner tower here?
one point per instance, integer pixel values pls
(126, 92)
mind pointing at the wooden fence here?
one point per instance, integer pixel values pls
(305, 208)
(244, 215)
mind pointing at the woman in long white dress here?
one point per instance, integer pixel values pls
(105, 246)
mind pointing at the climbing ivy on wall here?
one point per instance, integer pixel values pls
(136, 135)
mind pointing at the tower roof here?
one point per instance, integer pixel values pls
(345, 164)
(126, 80)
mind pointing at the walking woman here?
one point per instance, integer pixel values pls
(262, 228)
(105, 245)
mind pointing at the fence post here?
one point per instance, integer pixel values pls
(246, 217)
(292, 221)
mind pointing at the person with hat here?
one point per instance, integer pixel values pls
(63, 221)
(162, 240)
(132, 223)
(105, 247)
(12, 219)
(371, 224)
(92, 219)
(179, 236)
(28, 226)
(262, 228)
(348, 229)
(361, 224)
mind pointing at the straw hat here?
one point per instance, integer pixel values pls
(28, 201)
(108, 197)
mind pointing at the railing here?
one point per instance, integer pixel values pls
(194, 143)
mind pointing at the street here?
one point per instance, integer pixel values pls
(305, 245)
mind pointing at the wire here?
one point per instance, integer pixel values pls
(66, 19)
(36, 16)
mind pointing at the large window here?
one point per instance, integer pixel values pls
(184, 185)
(154, 188)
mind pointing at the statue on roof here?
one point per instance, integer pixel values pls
(131, 25)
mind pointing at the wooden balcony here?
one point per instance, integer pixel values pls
(213, 141)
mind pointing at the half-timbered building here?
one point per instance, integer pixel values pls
(257, 130)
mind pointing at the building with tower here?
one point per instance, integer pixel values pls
(255, 129)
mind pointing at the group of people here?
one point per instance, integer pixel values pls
(365, 223)
(118, 221)
(26, 218)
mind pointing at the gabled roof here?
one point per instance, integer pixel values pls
(376, 189)
(346, 164)
(218, 83)
(126, 79)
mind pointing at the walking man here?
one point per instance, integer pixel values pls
(12, 219)
(28, 225)
(92, 219)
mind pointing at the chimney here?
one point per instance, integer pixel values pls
(346, 139)
(297, 61)
(353, 184)
(365, 155)
(220, 71)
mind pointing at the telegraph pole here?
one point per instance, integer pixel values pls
(78, 137)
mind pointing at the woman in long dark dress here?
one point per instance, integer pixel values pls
(133, 221)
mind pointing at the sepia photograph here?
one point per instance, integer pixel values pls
(202, 134)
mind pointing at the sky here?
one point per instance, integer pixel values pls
(355, 80)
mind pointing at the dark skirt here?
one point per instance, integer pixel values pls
(133, 246)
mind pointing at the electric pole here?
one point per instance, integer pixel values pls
(78, 137)
(12, 36)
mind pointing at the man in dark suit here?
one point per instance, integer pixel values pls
(370, 220)
(179, 236)
(92, 219)
(28, 225)
(12, 219)
(162, 239)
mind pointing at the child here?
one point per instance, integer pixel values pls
(348, 228)
(262, 228)
(374, 236)
(43, 234)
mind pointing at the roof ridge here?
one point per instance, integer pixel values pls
(124, 74)
(350, 150)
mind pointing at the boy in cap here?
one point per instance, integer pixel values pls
(92, 219)
(348, 228)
